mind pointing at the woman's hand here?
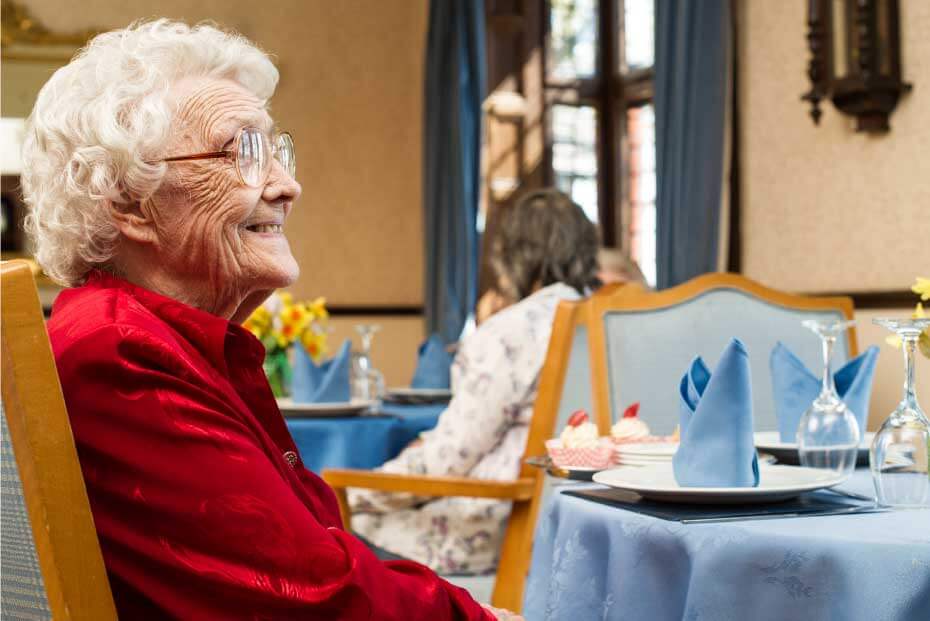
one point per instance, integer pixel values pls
(503, 615)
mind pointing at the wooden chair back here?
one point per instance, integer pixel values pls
(564, 386)
(52, 565)
(643, 341)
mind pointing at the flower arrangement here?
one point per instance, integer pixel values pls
(279, 323)
(922, 288)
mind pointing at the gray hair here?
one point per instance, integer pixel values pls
(543, 239)
(99, 119)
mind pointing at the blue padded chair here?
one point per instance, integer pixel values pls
(52, 567)
(645, 340)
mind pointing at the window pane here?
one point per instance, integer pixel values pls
(572, 38)
(639, 31)
(574, 154)
(641, 132)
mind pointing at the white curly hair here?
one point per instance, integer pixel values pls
(99, 118)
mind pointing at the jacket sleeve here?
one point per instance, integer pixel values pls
(197, 520)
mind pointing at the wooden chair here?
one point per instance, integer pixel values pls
(564, 386)
(643, 341)
(51, 562)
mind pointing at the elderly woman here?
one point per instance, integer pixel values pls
(158, 189)
(544, 252)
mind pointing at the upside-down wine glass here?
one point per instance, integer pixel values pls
(367, 383)
(828, 436)
(899, 454)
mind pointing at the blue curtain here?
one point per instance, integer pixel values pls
(455, 83)
(691, 74)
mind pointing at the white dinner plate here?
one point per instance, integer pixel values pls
(787, 452)
(319, 410)
(664, 450)
(657, 482)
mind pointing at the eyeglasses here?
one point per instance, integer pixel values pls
(252, 152)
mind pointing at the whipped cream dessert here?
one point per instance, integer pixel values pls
(630, 428)
(580, 432)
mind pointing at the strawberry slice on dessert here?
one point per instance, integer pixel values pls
(578, 418)
(631, 411)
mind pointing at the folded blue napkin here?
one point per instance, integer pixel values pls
(327, 382)
(795, 387)
(717, 448)
(433, 364)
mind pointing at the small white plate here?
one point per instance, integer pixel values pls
(657, 482)
(665, 450)
(772, 440)
(636, 460)
(787, 452)
(291, 409)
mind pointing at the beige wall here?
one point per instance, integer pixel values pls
(350, 92)
(826, 208)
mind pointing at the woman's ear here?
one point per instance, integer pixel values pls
(134, 221)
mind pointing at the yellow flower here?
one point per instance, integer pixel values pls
(922, 288)
(317, 308)
(314, 343)
(280, 338)
(286, 298)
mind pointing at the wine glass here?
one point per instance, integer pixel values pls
(828, 435)
(367, 383)
(898, 457)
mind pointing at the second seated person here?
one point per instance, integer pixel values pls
(545, 251)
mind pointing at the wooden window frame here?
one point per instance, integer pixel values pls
(611, 92)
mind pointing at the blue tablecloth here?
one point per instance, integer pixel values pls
(360, 441)
(592, 561)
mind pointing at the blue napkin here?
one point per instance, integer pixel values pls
(717, 448)
(327, 382)
(433, 364)
(795, 387)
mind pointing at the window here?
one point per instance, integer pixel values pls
(599, 57)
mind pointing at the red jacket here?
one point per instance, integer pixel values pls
(202, 505)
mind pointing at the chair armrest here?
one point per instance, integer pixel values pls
(340, 479)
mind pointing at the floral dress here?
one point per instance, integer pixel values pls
(482, 434)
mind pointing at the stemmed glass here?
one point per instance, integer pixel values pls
(828, 436)
(898, 457)
(367, 382)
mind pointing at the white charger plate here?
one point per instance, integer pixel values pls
(636, 460)
(776, 483)
(291, 409)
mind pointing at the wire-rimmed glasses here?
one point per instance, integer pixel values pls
(252, 152)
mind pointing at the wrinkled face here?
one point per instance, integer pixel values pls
(218, 238)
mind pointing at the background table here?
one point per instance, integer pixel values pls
(361, 441)
(592, 561)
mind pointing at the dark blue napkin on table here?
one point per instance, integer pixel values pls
(794, 387)
(327, 382)
(433, 364)
(717, 448)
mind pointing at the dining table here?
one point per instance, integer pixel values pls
(594, 561)
(360, 441)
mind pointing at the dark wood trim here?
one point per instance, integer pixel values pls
(735, 239)
(609, 139)
(904, 298)
(400, 310)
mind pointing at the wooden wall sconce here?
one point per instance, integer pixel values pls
(855, 48)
